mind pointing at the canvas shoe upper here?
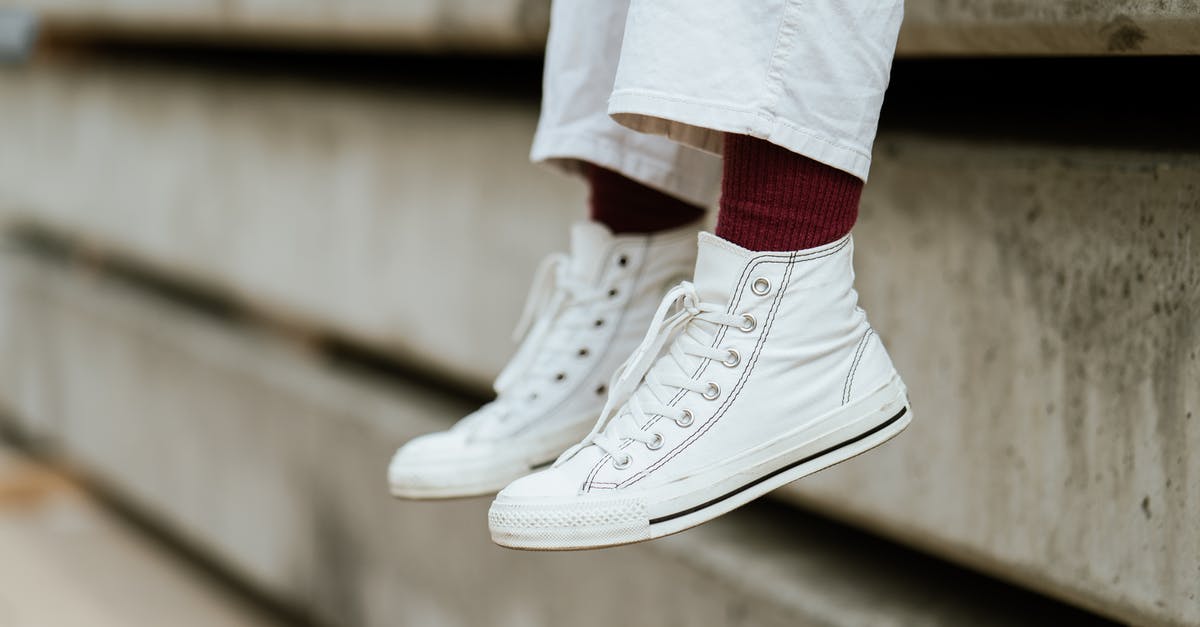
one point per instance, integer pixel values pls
(761, 371)
(584, 315)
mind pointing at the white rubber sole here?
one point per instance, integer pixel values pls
(627, 516)
(481, 475)
(462, 486)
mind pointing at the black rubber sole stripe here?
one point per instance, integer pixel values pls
(692, 510)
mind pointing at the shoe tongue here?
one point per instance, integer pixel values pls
(590, 242)
(719, 267)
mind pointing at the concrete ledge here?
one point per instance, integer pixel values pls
(1038, 28)
(1043, 305)
(272, 463)
(69, 562)
(932, 27)
(495, 26)
(332, 191)
(1040, 298)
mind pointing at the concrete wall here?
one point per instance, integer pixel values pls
(1041, 299)
(272, 464)
(1036, 27)
(932, 27)
(517, 26)
(1043, 305)
(233, 182)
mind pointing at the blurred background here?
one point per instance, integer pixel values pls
(219, 315)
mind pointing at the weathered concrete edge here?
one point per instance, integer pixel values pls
(717, 551)
(522, 30)
(1119, 36)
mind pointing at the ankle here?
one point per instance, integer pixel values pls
(626, 206)
(775, 199)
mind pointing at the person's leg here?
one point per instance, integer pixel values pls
(807, 75)
(796, 122)
(763, 369)
(626, 206)
(574, 129)
(588, 308)
(775, 199)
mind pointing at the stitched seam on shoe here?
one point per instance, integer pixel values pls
(600, 355)
(859, 351)
(740, 289)
(737, 388)
(701, 368)
(587, 483)
(792, 260)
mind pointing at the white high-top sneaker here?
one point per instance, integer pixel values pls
(585, 314)
(761, 372)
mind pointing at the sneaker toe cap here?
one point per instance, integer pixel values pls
(548, 483)
(432, 454)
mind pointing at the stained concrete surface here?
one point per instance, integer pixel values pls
(1038, 294)
(1047, 322)
(271, 463)
(70, 562)
(275, 144)
(1038, 28)
(932, 27)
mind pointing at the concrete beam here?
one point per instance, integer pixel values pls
(70, 562)
(1040, 297)
(347, 182)
(932, 27)
(272, 463)
(1043, 305)
(1037, 28)
(498, 26)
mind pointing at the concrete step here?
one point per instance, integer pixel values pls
(1038, 288)
(271, 462)
(932, 27)
(69, 562)
(248, 167)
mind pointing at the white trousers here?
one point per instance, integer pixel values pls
(648, 87)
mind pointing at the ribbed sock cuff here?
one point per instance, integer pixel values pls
(775, 199)
(626, 206)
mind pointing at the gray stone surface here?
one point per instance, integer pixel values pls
(503, 26)
(70, 562)
(272, 463)
(1043, 305)
(932, 27)
(1036, 27)
(308, 202)
(1040, 298)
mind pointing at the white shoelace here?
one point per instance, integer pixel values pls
(547, 334)
(645, 383)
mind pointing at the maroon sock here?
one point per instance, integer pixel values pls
(626, 206)
(775, 199)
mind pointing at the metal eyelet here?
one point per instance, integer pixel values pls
(598, 323)
(560, 376)
(761, 286)
(583, 352)
(687, 419)
(657, 443)
(623, 261)
(601, 389)
(733, 360)
(623, 463)
(750, 323)
(613, 293)
(712, 392)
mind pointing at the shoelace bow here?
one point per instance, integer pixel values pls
(553, 292)
(644, 384)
